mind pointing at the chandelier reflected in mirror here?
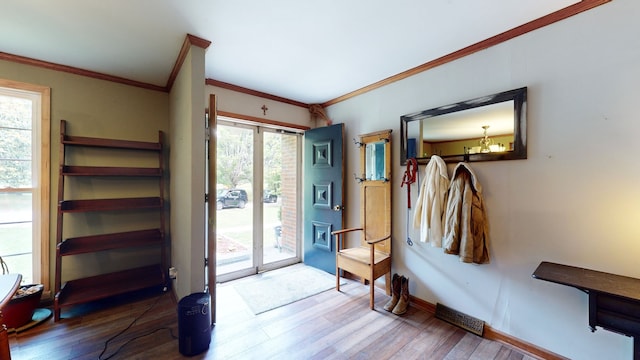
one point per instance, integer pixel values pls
(487, 144)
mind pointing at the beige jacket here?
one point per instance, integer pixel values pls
(429, 209)
(466, 229)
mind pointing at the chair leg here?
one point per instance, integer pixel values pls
(372, 283)
(337, 277)
(387, 282)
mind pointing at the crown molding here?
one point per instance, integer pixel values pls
(247, 91)
(77, 71)
(190, 40)
(538, 23)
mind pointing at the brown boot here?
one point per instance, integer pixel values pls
(395, 293)
(403, 302)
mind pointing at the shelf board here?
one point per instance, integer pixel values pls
(589, 280)
(111, 143)
(110, 204)
(69, 170)
(87, 244)
(102, 286)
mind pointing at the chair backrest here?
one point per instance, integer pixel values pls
(375, 187)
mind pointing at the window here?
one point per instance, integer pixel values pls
(24, 180)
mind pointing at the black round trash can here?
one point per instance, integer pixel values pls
(194, 323)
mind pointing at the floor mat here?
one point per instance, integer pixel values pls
(284, 286)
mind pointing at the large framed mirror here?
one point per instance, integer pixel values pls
(488, 128)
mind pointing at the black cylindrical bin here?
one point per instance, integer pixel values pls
(194, 323)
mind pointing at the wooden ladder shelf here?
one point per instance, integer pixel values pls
(95, 287)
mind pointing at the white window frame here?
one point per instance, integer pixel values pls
(41, 174)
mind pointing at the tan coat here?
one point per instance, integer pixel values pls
(466, 230)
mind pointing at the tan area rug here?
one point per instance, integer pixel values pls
(284, 286)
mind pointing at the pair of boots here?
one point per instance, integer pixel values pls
(399, 295)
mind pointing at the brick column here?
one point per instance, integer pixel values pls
(289, 191)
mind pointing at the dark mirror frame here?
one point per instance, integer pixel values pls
(519, 97)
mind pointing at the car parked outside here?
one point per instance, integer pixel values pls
(269, 197)
(231, 198)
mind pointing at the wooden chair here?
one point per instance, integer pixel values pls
(372, 257)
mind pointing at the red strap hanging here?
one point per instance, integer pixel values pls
(410, 177)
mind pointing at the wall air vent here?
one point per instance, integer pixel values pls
(459, 319)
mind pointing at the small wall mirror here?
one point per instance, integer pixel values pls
(374, 161)
(375, 156)
(483, 129)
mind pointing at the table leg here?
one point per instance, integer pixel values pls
(5, 352)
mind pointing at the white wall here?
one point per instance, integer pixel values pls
(575, 200)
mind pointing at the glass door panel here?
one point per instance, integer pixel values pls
(257, 199)
(280, 194)
(235, 200)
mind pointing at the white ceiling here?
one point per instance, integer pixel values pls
(308, 51)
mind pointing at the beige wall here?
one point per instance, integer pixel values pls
(106, 109)
(187, 164)
(573, 201)
(250, 105)
(102, 109)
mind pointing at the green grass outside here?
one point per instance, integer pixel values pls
(237, 224)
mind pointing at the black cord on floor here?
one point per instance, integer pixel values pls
(106, 343)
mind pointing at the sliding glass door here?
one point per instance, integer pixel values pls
(280, 197)
(234, 199)
(257, 199)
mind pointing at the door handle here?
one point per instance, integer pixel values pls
(338, 208)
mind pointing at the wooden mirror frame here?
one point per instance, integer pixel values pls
(380, 138)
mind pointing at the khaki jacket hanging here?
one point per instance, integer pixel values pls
(466, 225)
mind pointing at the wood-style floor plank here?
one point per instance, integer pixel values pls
(329, 325)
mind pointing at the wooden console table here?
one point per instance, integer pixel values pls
(614, 300)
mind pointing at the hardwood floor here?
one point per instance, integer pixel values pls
(330, 325)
